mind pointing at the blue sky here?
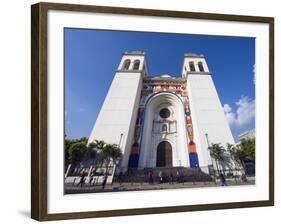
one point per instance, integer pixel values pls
(92, 57)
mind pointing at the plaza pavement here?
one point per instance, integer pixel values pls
(117, 187)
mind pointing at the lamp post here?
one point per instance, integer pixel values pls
(121, 135)
(207, 138)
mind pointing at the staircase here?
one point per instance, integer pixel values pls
(178, 174)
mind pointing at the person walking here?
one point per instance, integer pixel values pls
(223, 181)
(104, 181)
(150, 177)
(91, 178)
(82, 180)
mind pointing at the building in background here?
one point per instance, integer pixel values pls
(163, 121)
(247, 135)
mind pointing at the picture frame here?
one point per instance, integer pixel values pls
(40, 155)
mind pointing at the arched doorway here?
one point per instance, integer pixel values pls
(164, 155)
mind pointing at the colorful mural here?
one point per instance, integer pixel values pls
(135, 149)
(150, 88)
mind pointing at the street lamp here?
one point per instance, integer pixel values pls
(207, 138)
(121, 135)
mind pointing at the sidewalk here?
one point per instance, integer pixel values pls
(117, 187)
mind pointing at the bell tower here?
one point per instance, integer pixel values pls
(208, 118)
(116, 120)
(194, 64)
(133, 62)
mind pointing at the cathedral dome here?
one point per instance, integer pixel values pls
(165, 76)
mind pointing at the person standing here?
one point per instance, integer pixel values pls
(171, 178)
(160, 175)
(150, 177)
(104, 181)
(178, 176)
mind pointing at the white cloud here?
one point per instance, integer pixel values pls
(243, 116)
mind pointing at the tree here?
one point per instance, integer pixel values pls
(112, 153)
(98, 146)
(68, 144)
(77, 152)
(233, 150)
(249, 149)
(217, 152)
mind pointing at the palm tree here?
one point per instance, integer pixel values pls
(111, 154)
(98, 146)
(233, 153)
(106, 153)
(217, 152)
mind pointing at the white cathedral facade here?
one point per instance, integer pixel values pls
(162, 121)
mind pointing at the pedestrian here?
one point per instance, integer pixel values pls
(178, 176)
(150, 177)
(244, 178)
(91, 178)
(82, 180)
(223, 181)
(104, 181)
(160, 175)
(171, 178)
(120, 177)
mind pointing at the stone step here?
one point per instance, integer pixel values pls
(182, 174)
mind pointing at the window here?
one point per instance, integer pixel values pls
(164, 128)
(191, 66)
(136, 64)
(126, 64)
(200, 66)
(164, 113)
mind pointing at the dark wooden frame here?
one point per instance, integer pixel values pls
(39, 110)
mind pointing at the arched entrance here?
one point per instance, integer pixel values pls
(164, 155)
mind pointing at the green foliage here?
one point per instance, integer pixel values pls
(71, 153)
(249, 149)
(234, 152)
(77, 152)
(217, 151)
(245, 151)
(112, 152)
(98, 152)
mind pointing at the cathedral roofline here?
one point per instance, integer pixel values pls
(159, 78)
(142, 53)
(192, 55)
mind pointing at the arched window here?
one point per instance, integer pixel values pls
(191, 66)
(126, 64)
(136, 65)
(200, 66)
(164, 128)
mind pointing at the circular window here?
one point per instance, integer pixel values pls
(164, 113)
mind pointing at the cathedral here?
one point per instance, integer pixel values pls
(163, 121)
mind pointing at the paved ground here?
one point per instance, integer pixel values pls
(115, 187)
